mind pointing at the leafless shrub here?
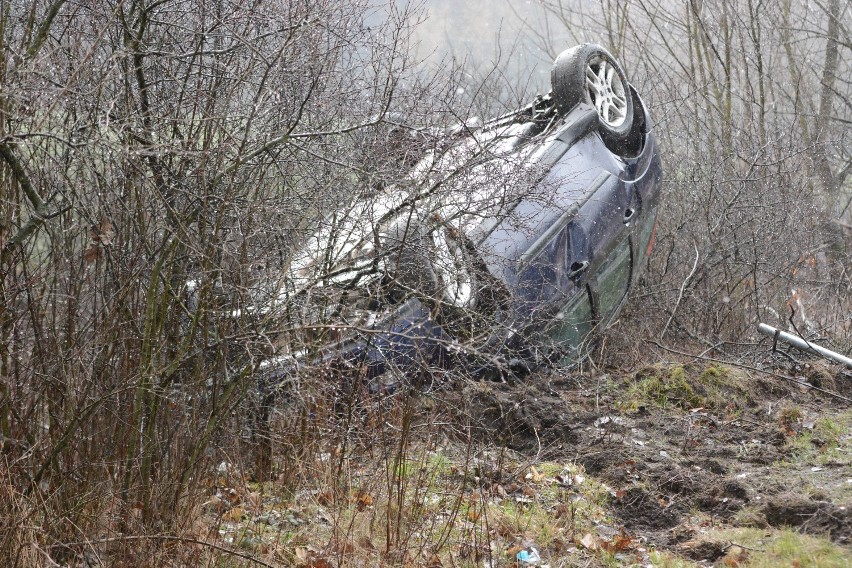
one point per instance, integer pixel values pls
(156, 160)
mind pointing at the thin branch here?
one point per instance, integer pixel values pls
(44, 29)
(12, 137)
(40, 213)
(173, 538)
(22, 178)
(28, 228)
(680, 294)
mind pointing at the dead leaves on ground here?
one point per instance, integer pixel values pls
(310, 557)
(557, 497)
(617, 543)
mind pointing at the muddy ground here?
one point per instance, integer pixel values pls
(743, 447)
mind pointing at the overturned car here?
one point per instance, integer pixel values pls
(508, 245)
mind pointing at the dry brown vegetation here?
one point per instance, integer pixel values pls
(157, 157)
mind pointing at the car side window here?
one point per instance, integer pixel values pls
(613, 279)
(562, 260)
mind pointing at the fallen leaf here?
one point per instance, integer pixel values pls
(325, 498)
(234, 514)
(534, 475)
(215, 505)
(619, 543)
(255, 500)
(363, 500)
(514, 550)
(307, 556)
(589, 541)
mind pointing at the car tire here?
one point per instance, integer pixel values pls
(589, 74)
(430, 260)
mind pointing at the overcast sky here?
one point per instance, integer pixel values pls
(508, 35)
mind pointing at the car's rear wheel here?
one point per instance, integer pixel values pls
(589, 74)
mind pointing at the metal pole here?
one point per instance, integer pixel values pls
(797, 341)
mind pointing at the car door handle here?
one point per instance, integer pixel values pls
(628, 214)
(577, 268)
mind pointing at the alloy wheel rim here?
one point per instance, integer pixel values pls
(606, 92)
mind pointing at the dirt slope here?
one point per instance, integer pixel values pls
(681, 445)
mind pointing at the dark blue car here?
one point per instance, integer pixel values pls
(510, 243)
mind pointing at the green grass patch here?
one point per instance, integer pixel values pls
(829, 441)
(759, 548)
(688, 387)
